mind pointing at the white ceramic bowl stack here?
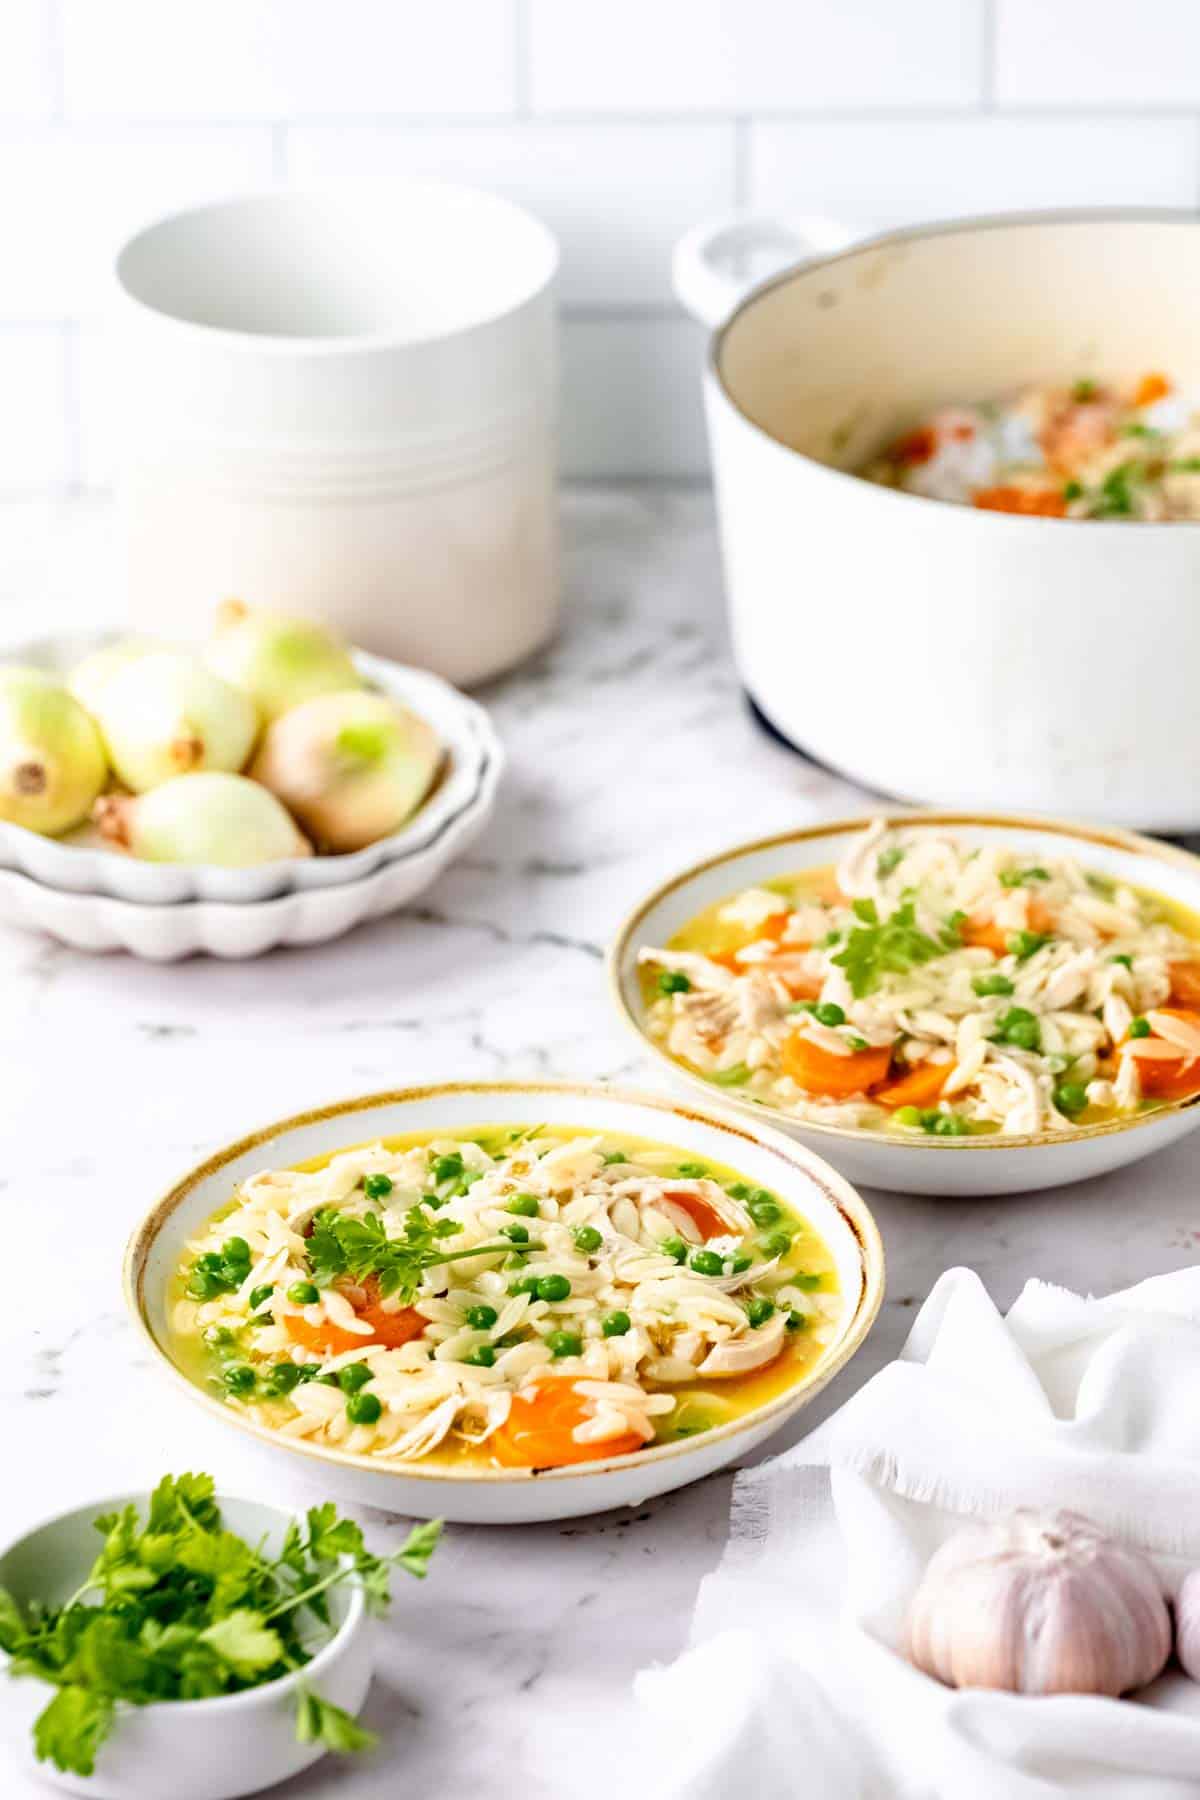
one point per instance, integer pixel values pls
(93, 897)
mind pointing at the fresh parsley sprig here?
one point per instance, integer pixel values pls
(179, 1608)
(875, 948)
(343, 1246)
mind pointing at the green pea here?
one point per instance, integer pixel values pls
(759, 1309)
(353, 1377)
(524, 1284)
(1020, 1027)
(907, 1115)
(516, 1234)
(992, 984)
(776, 1243)
(447, 1168)
(564, 1343)
(737, 1190)
(303, 1293)
(1073, 490)
(527, 1206)
(808, 1284)
(675, 1248)
(363, 1409)
(740, 1263)
(1139, 1028)
(797, 1321)
(434, 1201)
(219, 1337)
(692, 1171)
(1070, 1098)
(211, 1263)
(239, 1378)
(282, 1378)
(553, 1288)
(707, 1262)
(482, 1357)
(616, 1324)
(1023, 944)
(1126, 962)
(481, 1318)
(763, 1210)
(259, 1294)
(828, 1012)
(949, 1125)
(327, 1378)
(236, 1250)
(587, 1239)
(517, 1259)
(673, 981)
(204, 1285)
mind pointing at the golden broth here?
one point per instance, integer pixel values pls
(701, 1405)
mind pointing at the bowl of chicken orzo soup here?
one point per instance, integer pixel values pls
(503, 1302)
(942, 1003)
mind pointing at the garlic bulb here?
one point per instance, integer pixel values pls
(164, 714)
(351, 767)
(279, 662)
(215, 818)
(1040, 1603)
(90, 677)
(1187, 1624)
(52, 762)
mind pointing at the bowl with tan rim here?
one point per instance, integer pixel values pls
(997, 1163)
(468, 1491)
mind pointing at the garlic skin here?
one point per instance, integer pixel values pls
(89, 678)
(279, 662)
(164, 714)
(351, 767)
(52, 761)
(218, 819)
(1040, 1603)
(1187, 1624)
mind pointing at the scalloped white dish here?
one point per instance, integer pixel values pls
(82, 867)
(166, 933)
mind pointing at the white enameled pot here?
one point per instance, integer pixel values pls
(342, 404)
(214, 1749)
(497, 1496)
(932, 651)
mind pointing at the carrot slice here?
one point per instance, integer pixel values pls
(326, 1338)
(922, 1086)
(1185, 984)
(821, 1071)
(1150, 388)
(537, 1431)
(704, 1217)
(389, 1328)
(916, 446)
(1171, 1078)
(1042, 503)
(981, 933)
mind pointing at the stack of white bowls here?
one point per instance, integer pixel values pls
(93, 897)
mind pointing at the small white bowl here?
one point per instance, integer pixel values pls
(190, 1749)
(166, 933)
(87, 868)
(516, 1496)
(919, 1164)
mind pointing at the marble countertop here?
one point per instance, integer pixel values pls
(632, 751)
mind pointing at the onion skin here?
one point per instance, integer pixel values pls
(218, 819)
(279, 662)
(350, 767)
(89, 678)
(1187, 1624)
(1040, 1604)
(164, 714)
(52, 761)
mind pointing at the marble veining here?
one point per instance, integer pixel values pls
(632, 752)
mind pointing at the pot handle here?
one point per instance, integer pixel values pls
(718, 262)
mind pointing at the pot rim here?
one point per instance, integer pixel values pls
(1112, 836)
(905, 234)
(841, 1194)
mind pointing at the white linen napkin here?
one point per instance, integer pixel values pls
(793, 1685)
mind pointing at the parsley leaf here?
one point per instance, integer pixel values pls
(874, 950)
(342, 1245)
(244, 1642)
(71, 1729)
(321, 1722)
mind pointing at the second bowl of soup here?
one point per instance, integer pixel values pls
(929, 984)
(505, 1302)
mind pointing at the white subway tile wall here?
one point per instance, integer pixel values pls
(621, 122)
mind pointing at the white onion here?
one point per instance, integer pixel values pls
(279, 662)
(89, 678)
(164, 714)
(351, 767)
(52, 762)
(208, 818)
